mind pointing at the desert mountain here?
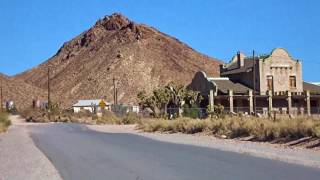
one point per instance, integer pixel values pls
(136, 55)
(20, 92)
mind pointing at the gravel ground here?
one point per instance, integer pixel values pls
(20, 158)
(265, 150)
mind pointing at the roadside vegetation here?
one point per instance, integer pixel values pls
(110, 118)
(4, 121)
(174, 109)
(217, 122)
(58, 115)
(259, 129)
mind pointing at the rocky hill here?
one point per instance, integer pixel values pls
(136, 55)
(20, 92)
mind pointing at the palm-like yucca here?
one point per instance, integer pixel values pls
(172, 93)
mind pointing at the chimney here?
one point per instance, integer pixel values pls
(240, 60)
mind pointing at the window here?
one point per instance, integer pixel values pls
(293, 82)
(270, 83)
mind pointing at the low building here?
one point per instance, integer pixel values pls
(261, 84)
(90, 105)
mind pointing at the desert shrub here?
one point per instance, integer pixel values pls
(13, 110)
(108, 117)
(34, 115)
(218, 112)
(316, 131)
(130, 118)
(83, 113)
(195, 126)
(94, 117)
(4, 121)
(259, 128)
(238, 128)
(192, 112)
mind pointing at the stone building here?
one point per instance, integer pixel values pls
(260, 84)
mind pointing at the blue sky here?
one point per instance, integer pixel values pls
(32, 31)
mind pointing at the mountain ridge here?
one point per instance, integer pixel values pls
(139, 57)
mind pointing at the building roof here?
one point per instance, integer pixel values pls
(311, 87)
(224, 85)
(88, 103)
(247, 67)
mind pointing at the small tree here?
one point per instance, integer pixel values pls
(173, 93)
(157, 102)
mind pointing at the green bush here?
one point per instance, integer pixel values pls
(191, 112)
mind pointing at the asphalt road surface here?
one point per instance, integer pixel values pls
(79, 153)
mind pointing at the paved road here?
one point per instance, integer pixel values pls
(79, 153)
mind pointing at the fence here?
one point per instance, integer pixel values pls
(122, 110)
(260, 111)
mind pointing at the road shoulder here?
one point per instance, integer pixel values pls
(264, 150)
(20, 158)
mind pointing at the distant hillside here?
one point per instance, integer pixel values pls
(136, 55)
(20, 92)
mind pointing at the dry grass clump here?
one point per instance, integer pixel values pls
(184, 125)
(84, 116)
(232, 127)
(34, 115)
(4, 122)
(110, 118)
(41, 116)
(130, 118)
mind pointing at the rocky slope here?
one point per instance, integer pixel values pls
(20, 92)
(137, 56)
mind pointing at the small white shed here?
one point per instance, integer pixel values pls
(89, 105)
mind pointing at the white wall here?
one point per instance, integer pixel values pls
(78, 109)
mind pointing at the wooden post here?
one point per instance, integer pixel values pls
(270, 101)
(211, 101)
(254, 83)
(308, 103)
(231, 100)
(289, 99)
(251, 102)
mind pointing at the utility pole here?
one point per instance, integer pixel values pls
(114, 91)
(49, 100)
(1, 95)
(115, 94)
(254, 82)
